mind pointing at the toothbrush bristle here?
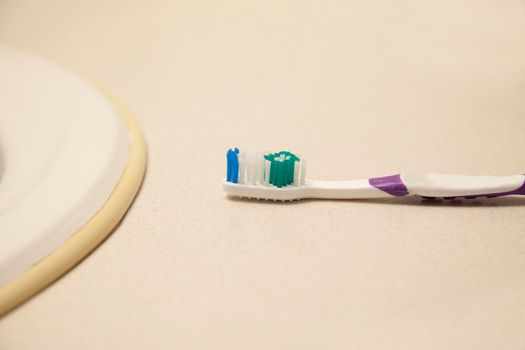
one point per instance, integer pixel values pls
(282, 168)
(277, 169)
(232, 168)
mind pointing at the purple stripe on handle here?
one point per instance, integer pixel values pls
(393, 185)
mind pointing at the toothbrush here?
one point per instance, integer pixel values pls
(282, 176)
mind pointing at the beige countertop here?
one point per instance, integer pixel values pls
(361, 89)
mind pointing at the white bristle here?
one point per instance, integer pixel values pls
(303, 172)
(297, 168)
(255, 169)
(267, 165)
(242, 167)
(252, 168)
(259, 160)
(248, 168)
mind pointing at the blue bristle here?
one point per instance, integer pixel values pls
(232, 160)
(229, 166)
(235, 168)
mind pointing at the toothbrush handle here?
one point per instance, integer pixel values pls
(450, 186)
(428, 185)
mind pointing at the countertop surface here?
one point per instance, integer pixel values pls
(360, 89)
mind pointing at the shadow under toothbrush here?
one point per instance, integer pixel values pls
(510, 201)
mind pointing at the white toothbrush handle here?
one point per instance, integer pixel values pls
(400, 185)
(426, 185)
(354, 189)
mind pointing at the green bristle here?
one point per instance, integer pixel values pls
(278, 173)
(290, 170)
(273, 171)
(282, 168)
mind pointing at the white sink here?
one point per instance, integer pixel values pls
(63, 149)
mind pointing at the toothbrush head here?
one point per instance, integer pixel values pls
(260, 175)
